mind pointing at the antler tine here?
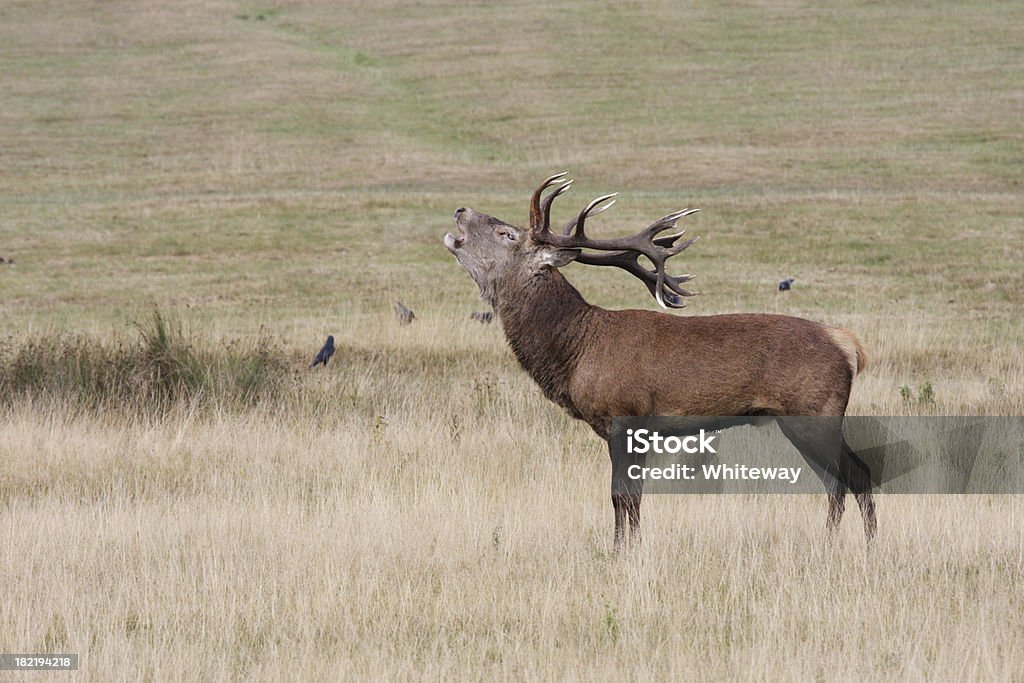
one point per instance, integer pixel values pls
(666, 284)
(679, 247)
(575, 226)
(669, 240)
(673, 217)
(667, 222)
(546, 206)
(536, 213)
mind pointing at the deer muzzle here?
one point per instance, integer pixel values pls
(453, 243)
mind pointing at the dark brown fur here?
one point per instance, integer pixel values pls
(599, 364)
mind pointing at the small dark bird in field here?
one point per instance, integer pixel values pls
(405, 315)
(786, 284)
(484, 317)
(325, 353)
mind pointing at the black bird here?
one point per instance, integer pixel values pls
(786, 284)
(325, 353)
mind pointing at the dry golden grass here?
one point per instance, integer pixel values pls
(437, 518)
(416, 509)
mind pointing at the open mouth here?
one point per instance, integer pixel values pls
(452, 242)
(455, 242)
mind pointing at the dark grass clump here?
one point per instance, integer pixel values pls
(159, 368)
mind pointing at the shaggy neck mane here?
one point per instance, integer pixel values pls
(546, 322)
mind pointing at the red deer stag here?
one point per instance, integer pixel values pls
(600, 364)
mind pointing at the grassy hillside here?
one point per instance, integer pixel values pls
(199, 505)
(290, 163)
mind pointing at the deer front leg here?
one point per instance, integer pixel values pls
(626, 495)
(633, 512)
(627, 510)
(619, 505)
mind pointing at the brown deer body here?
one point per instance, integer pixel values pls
(599, 364)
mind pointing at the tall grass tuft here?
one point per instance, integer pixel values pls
(161, 367)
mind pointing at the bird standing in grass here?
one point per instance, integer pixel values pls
(404, 314)
(786, 285)
(325, 353)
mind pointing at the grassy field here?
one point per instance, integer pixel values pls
(263, 175)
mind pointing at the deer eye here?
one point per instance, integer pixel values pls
(507, 234)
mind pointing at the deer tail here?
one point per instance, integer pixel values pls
(851, 347)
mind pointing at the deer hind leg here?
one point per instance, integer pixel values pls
(858, 474)
(867, 511)
(820, 440)
(836, 507)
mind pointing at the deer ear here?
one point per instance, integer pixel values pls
(556, 258)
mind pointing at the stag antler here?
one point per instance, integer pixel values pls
(624, 252)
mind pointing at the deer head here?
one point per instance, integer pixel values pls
(501, 257)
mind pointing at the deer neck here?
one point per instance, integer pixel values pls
(547, 324)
